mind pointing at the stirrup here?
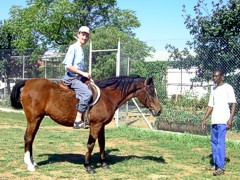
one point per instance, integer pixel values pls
(86, 126)
(78, 125)
(86, 119)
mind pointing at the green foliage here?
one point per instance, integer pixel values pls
(6, 36)
(234, 80)
(52, 25)
(220, 21)
(157, 70)
(183, 113)
(188, 102)
(215, 41)
(5, 103)
(104, 63)
(187, 121)
(215, 35)
(184, 110)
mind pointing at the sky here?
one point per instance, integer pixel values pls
(161, 20)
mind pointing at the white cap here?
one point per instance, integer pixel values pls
(84, 29)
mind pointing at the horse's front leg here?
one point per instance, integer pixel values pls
(87, 163)
(94, 131)
(101, 142)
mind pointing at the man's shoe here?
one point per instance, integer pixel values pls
(78, 125)
(219, 172)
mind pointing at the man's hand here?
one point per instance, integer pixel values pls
(204, 124)
(87, 75)
(229, 124)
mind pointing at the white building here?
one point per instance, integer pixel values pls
(179, 81)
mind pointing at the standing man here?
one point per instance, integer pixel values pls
(76, 75)
(222, 97)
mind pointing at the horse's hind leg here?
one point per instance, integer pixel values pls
(33, 124)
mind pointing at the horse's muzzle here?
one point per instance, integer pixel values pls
(155, 113)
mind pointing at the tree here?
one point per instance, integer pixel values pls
(55, 22)
(215, 37)
(157, 70)
(104, 63)
(45, 24)
(5, 36)
(215, 40)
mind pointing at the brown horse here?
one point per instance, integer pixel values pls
(40, 97)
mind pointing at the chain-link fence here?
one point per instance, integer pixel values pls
(188, 78)
(189, 81)
(15, 67)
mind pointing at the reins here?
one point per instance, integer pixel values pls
(114, 104)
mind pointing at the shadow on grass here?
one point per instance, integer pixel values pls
(95, 158)
(227, 160)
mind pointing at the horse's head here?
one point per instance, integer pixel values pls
(148, 97)
(129, 87)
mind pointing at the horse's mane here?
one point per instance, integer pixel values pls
(121, 82)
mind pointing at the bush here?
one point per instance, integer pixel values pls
(187, 102)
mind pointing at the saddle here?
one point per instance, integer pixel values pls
(95, 96)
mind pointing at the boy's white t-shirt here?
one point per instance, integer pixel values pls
(220, 98)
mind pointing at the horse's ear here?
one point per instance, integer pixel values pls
(149, 81)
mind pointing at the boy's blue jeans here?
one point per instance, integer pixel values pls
(82, 92)
(218, 143)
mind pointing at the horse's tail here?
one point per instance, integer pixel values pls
(15, 95)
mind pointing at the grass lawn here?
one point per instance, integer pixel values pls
(132, 152)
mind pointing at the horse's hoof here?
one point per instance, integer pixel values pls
(91, 171)
(105, 166)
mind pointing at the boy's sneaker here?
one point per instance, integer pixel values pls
(219, 172)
